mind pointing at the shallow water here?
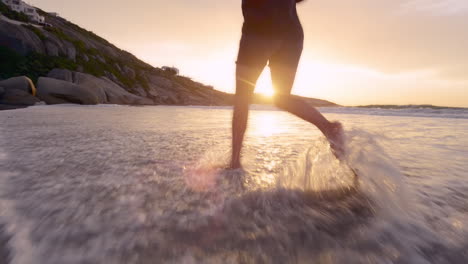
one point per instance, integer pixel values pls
(116, 184)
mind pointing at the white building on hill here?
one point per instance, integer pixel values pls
(22, 7)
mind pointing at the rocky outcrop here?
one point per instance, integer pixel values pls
(18, 97)
(102, 72)
(17, 92)
(23, 40)
(53, 91)
(19, 83)
(61, 74)
(112, 93)
(104, 90)
(128, 79)
(117, 95)
(19, 38)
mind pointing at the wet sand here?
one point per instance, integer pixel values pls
(116, 184)
(4, 251)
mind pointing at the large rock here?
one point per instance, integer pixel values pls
(18, 97)
(2, 91)
(61, 74)
(93, 83)
(53, 91)
(160, 82)
(129, 72)
(19, 38)
(55, 45)
(105, 90)
(118, 95)
(22, 83)
(51, 48)
(140, 91)
(70, 50)
(109, 91)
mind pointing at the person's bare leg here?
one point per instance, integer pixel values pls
(283, 80)
(299, 108)
(246, 77)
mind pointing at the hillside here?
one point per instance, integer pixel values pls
(34, 51)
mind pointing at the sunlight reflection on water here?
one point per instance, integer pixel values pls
(120, 184)
(266, 124)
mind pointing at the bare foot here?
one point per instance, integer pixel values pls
(235, 164)
(335, 136)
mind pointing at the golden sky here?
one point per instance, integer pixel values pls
(356, 52)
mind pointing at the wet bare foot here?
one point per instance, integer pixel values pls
(235, 164)
(335, 136)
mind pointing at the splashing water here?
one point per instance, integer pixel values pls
(125, 189)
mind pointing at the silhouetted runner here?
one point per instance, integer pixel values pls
(273, 33)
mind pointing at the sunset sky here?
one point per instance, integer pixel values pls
(356, 52)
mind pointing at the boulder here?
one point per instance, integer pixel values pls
(153, 92)
(19, 83)
(18, 97)
(160, 82)
(129, 73)
(108, 91)
(2, 91)
(54, 45)
(140, 91)
(19, 38)
(61, 74)
(112, 77)
(118, 95)
(51, 48)
(70, 50)
(105, 90)
(93, 83)
(53, 91)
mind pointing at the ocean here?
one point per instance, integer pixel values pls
(122, 184)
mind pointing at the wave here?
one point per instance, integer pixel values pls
(423, 106)
(415, 111)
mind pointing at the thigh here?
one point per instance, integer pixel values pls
(254, 54)
(283, 65)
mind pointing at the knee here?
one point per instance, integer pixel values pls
(281, 100)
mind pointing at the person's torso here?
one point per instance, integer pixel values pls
(271, 17)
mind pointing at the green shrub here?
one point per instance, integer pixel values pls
(36, 30)
(9, 62)
(6, 11)
(142, 81)
(59, 33)
(80, 46)
(33, 65)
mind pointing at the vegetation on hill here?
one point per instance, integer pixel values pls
(88, 59)
(33, 65)
(80, 50)
(6, 11)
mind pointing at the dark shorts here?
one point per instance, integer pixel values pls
(282, 56)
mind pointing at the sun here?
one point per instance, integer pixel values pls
(264, 84)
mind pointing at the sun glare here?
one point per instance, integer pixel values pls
(264, 84)
(266, 124)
